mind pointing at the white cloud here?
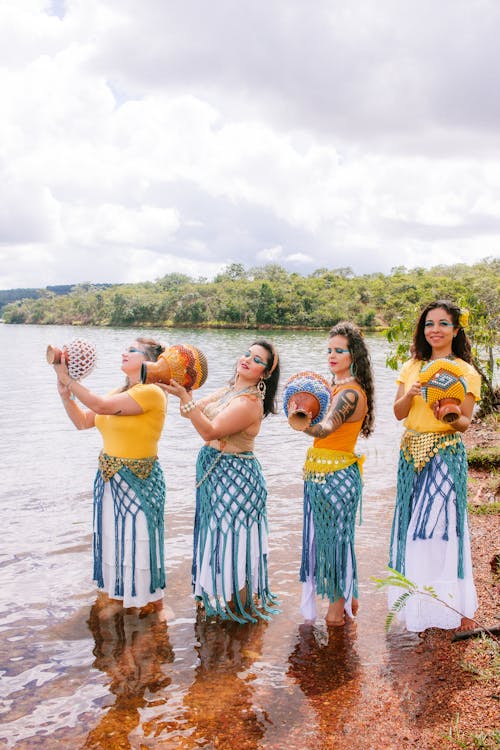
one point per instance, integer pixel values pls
(139, 139)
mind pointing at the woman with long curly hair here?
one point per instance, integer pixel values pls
(332, 480)
(430, 537)
(230, 535)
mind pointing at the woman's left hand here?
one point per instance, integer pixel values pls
(176, 389)
(61, 371)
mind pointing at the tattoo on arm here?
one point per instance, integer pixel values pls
(343, 408)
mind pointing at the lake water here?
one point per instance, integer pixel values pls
(74, 677)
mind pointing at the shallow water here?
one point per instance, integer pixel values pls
(77, 676)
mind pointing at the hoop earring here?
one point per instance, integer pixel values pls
(352, 369)
(261, 387)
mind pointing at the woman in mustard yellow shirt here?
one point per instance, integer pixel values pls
(332, 480)
(430, 537)
(129, 489)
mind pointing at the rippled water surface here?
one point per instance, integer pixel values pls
(76, 675)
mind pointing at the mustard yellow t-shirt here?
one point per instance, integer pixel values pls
(135, 436)
(421, 417)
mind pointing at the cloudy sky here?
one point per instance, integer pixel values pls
(143, 137)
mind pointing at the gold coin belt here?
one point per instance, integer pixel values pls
(321, 461)
(141, 467)
(421, 447)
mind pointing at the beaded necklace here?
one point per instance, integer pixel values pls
(344, 380)
(231, 393)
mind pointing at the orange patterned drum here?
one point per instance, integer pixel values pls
(181, 362)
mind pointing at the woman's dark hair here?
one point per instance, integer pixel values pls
(361, 368)
(152, 350)
(421, 349)
(271, 380)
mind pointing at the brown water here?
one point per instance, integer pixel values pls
(76, 675)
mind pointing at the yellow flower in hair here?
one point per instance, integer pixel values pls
(463, 318)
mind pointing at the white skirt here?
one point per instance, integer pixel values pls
(308, 601)
(225, 584)
(433, 562)
(111, 556)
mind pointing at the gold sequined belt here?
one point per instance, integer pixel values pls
(141, 467)
(422, 446)
(321, 461)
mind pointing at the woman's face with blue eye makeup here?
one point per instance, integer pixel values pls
(339, 357)
(439, 330)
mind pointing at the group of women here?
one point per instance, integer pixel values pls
(429, 541)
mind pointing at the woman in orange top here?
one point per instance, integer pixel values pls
(129, 489)
(332, 480)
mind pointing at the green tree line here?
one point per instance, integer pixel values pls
(264, 297)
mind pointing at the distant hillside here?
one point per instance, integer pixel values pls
(15, 295)
(265, 297)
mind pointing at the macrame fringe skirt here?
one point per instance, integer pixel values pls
(328, 561)
(230, 575)
(434, 531)
(128, 546)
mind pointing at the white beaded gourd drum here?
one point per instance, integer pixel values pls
(80, 357)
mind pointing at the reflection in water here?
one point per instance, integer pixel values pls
(424, 671)
(219, 702)
(131, 646)
(326, 666)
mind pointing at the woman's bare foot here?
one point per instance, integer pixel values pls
(335, 623)
(335, 616)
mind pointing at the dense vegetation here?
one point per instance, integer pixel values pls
(267, 296)
(14, 295)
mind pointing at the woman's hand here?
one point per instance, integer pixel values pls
(176, 389)
(414, 390)
(61, 370)
(403, 400)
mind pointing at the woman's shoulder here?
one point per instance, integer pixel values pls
(147, 393)
(411, 365)
(472, 377)
(467, 366)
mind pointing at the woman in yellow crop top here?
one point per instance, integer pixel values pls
(430, 537)
(230, 534)
(129, 489)
(332, 480)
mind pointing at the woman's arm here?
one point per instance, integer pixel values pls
(82, 420)
(345, 406)
(118, 404)
(238, 415)
(403, 401)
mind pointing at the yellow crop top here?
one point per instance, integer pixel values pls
(345, 437)
(135, 436)
(421, 417)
